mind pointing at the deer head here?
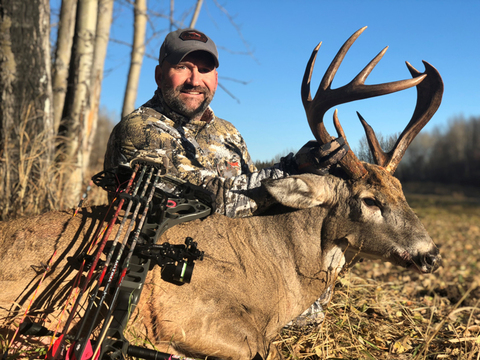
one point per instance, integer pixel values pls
(369, 215)
(384, 192)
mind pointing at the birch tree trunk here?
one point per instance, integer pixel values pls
(104, 22)
(63, 51)
(138, 51)
(26, 121)
(72, 128)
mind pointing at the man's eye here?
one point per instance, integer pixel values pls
(204, 70)
(180, 67)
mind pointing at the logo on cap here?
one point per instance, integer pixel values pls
(193, 35)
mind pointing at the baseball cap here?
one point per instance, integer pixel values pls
(181, 42)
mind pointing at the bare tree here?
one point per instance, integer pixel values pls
(138, 51)
(416, 162)
(72, 127)
(104, 22)
(473, 151)
(198, 7)
(456, 153)
(364, 153)
(26, 121)
(63, 51)
(80, 113)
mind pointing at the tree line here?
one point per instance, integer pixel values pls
(449, 154)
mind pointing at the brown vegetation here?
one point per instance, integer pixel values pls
(37, 185)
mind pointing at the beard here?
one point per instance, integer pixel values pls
(171, 97)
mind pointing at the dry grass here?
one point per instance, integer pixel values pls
(380, 311)
(34, 176)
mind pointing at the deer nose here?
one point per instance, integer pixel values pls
(431, 262)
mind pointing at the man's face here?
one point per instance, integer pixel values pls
(188, 87)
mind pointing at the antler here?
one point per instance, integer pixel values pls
(326, 98)
(429, 97)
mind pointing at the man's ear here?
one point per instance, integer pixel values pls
(158, 74)
(302, 191)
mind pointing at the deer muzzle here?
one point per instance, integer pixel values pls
(426, 263)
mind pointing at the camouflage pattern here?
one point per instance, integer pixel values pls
(209, 153)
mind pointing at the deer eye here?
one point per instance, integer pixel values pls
(371, 202)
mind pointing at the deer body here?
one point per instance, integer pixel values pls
(258, 273)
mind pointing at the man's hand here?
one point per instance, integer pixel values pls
(318, 159)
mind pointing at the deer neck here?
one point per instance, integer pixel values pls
(308, 264)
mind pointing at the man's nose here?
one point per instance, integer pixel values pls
(194, 78)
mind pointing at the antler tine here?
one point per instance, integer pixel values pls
(321, 134)
(305, 90)
(378, 154)
(317, 107)
(429, 97)
(350, 163)
(337, 60)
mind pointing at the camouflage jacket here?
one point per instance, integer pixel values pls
(209, 153)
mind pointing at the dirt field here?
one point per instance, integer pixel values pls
(380, 311)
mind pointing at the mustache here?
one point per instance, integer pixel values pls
(187, 87)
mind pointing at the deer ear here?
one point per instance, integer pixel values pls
(299, 191)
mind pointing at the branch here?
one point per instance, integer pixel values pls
(237, 27)
(235, 80)
(228, 92)
(196, 13)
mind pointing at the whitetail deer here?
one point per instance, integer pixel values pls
(261, 272)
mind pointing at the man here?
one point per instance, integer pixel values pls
(178, 129)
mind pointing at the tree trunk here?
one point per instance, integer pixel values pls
(63, 52)
(138, 50)
(73, 128)
(26, 120)
(104, 22)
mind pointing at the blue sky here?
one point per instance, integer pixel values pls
(282, 34)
